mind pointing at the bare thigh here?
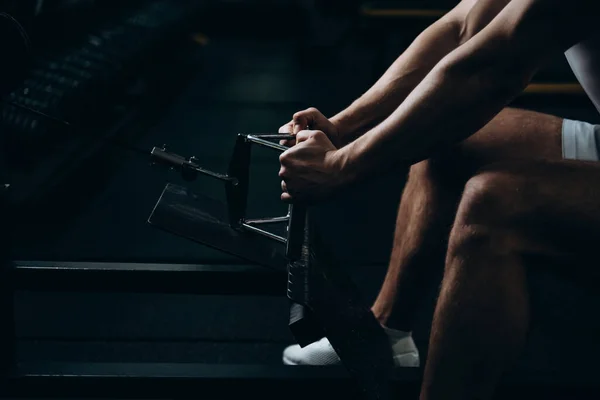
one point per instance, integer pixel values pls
(548, 209)
(514, 134)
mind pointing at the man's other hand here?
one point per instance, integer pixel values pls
(312, 169)
(313, 119)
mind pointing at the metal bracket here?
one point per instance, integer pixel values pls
(188, 166)
(236, 180)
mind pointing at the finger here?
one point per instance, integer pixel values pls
(303, 136)
(300, 123)
(283, 173)
(313, 118)
(287, 143)
(287, 128)
(286, 198)
(319, 136)
(284, 187)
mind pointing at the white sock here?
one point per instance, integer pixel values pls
(396, 334)
(402, 344)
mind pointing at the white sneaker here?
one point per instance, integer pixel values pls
(320, 353)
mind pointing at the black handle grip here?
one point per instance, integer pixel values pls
(296, 232)
(303, 324)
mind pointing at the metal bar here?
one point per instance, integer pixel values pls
(7, 300)
(149, 278)
(175, 160)
(216, 175)
(7, 322)
(264, 233)
(280, 136)
(266, 143)
(274, 220)
(187, 380)
(49, 117)
(296, 234)
(237, 195)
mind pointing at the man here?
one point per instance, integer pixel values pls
(489, 186)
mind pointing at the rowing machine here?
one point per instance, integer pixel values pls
(324, 300)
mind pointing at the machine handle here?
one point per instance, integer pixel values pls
(303, 324)
(296, 232)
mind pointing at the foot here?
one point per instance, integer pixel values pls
(321, 352)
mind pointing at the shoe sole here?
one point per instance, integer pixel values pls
(287, 361)
(408, 360)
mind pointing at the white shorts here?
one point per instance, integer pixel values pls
(580, 141)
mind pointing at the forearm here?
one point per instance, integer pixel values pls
(400, 79)
(472, 84)
(460, 95)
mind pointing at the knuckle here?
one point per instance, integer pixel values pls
(318, 135)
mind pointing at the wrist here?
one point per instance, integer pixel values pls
(347, 124)
(352, 123)
(346, 159)
(342, 130)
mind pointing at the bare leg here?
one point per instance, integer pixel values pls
(507, 214)
(432, 194)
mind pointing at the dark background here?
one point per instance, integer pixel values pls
(193, 76)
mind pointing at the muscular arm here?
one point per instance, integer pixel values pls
(471, 84)
(442, 37)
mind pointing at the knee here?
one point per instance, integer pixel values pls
(485, 221)
(491, 198)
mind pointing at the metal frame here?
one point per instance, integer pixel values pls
(205, 279)
(7, 320)
(161, 381)
(190, 168)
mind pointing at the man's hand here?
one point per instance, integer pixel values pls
(311, 119)
(312, 169)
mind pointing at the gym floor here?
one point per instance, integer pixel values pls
(248, 85)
